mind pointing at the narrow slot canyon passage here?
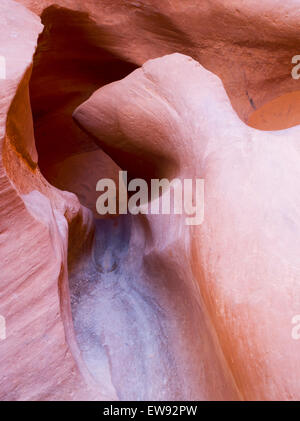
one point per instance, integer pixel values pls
(192, 291)
(69, 65)
(139, 327)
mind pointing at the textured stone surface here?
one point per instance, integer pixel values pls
(244, 257)
(36, 358)
(144, 307)
(248, 45)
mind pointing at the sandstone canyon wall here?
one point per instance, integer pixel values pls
(145, 307)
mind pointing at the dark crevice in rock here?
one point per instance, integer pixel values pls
(69, 64)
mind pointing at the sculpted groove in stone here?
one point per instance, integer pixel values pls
(39, 358)
(244, 257)
(144, 345)
(144, 307)
(68, 65)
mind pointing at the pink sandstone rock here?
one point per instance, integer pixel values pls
(39, 358)
(242, 262)
(145, 307)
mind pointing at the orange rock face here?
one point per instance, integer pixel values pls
(146, 307)
(39, 357)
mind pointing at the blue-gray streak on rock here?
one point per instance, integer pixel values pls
(119, 324)
(140, 330)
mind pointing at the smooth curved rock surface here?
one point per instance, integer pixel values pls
(244, 257)
(279, 114)
(144, 307)
(39, 357)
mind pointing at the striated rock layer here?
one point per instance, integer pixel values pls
(39, 357)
